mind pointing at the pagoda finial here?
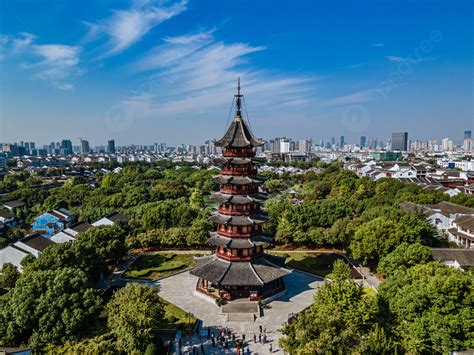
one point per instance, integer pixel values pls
(238, 102)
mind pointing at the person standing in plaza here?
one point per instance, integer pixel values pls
(254, 338)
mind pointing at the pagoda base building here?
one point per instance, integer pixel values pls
(239, 268)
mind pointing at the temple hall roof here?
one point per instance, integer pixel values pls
(256, 272)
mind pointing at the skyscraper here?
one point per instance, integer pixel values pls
(400, 141)
(467, 134)
(85, 148)
(111, 146)
(66, 147)
(363, 140)
(342, 142)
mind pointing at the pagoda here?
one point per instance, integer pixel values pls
(239, 268)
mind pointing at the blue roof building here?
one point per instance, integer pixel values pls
(51, 222)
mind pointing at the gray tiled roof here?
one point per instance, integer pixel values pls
(242, 273)
(238, 199)
(237, 243)
(238, 180)
(465, 257)
(238, 135)
(238, 161)
(238, 220)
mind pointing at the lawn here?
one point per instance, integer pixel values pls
(313, 263)
(176, 318)
(153, 266)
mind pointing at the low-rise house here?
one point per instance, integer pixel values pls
(13, 205)
(462, 232)
(456, 220)
(462, 259)
(111, 219)
(33, 244)
(7, 220)
(50, 223)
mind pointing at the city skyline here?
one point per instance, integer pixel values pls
(172, 78)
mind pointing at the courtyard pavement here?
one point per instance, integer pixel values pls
(180, 290)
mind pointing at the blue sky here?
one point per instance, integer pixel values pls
(165, 71)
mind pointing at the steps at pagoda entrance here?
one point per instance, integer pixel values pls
(241, 311)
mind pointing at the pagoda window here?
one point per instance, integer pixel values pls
(245, 252)
(235, 252)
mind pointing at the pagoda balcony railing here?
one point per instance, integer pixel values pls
(238, 234)
(228, 257)
(237, 170)
(240, 153)
(234, 212)
(232, 191)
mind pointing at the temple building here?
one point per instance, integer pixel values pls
(239, 268)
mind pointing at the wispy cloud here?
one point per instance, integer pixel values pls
(55, 63)
(354, 98)
(378, 44)
(126, 27)
(196, 72)
(394, 58)
(410, 60)
(357, 65)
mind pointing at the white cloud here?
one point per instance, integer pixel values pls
(22, 42)
(55, 63)
(409, 60)
(354, 98)
(357, 65)
(196, 73)
(394, 58)
(126, 27)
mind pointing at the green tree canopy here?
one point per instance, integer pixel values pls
(403, 257)
(8, 276)
(50, 306)
(340, 318)
(432, 308)
(134, 313)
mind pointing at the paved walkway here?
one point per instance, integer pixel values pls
(180, 290)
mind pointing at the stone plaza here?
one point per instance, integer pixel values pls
(180, 290)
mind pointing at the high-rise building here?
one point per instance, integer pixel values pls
(342, 142)
(85, 148)
(333, 141)
(400, 141)
(467, 134)
(66, 147)
(447, 144)
(304, 145)
(111, 146)
(284, 145)
(239, 269)
(363, 140)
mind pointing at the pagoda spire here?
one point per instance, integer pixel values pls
(238, 102)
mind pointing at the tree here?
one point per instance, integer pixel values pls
(196, 200)
(70, 254)
(403, 257)
(134, 313)
(380, 236)
(432, 308)
(340, 317)
(50, 306)
(198, 233)
(8, 276)
(108, 241)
